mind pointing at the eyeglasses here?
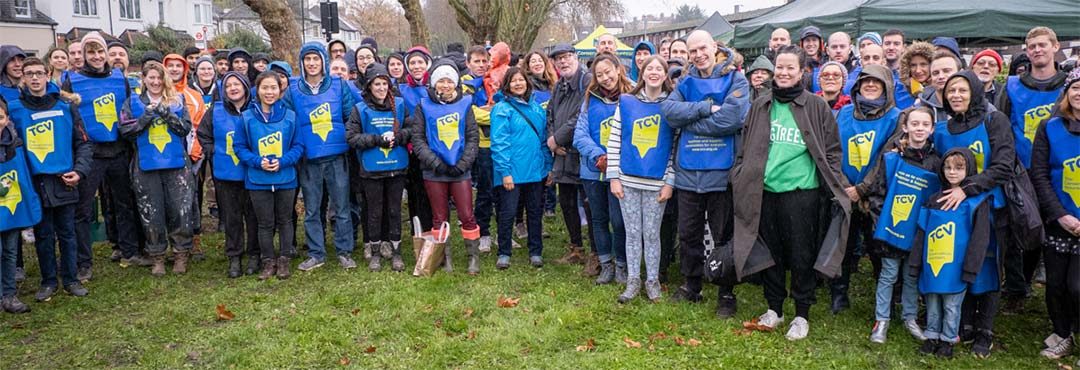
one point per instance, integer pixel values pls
(831, 76)
(986, 62)
(34, 74)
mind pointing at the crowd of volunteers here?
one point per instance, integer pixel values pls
(957, 177)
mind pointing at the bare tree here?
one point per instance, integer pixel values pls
(518, 22)
(277, 19)
(382, 19)
(414, 13)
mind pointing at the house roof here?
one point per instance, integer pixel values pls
(77, 33)
(129, 36)
(7, 14)
(696, 23)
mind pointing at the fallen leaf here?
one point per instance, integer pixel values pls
(468, 312)
(370, 349)
(429, 308)
(223, 314)
(630, 343)
(438, 323)
(355, 311)
(507, 302)
(552, 294)
(754, 325)
(694, 342)
(471, 336)
(1062, 366)
(344, 361)
(589, 345)
(651, 347)
(658, 336)
(678, 340)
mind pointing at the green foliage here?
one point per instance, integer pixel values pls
(686, 13)
(241, 38)
(159, 38)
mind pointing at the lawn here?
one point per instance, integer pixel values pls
(331, 318)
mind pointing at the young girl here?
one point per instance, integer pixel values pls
(20, 209)
(161, 171)
(375, 131)
(903, 179)
(521, 162)
(643, 179)
(445, 142)
(950, 245)
(269, 147)
(591, 136)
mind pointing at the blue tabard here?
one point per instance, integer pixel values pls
(445, 127)
(978, 141)
(319, 120)
(227, 166)
(908, 189)
(158, 147)
(47, 136)
(377, 122)
(944, 246)
(601, 115)
(1029, 109)
(20, 207)
(861, 141)
(646, 139)
(1064, 164)
(102, 99)
(699, 152)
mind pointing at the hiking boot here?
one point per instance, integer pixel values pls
(945, 350)
(180, 260)
(396, 263)
(633, 286)
(346, 262)
(912, 327)
(536, 261)
(76, 289)
(158, 268)
(592, 266)
(726, 306)
(254, 264)
(880, 332)
(1014, 304)
(485, 244)
(620, 274)
(45, 293)
(20, 274)
(385, 249)
(798, 330)
(652, 290)
(310, 264)
(472, 247)
(196, 248)
(967, 334)
(572, 257)
(84, 274)
(267, 269)
(375, 263)
(12, 304)
(607, 273)
(683, 294)
(929, 347)
(520, 231)
(283, 268)
(367, 250)
(235, 269)
(984, 343)
(840, 301)
(503, 263)
(771, 320)
(116, 255)
(1061, 348)
(136, 260)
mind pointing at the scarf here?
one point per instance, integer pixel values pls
(788, 94)
(868, 106)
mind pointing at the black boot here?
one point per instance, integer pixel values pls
(253, 265)
(840, 301)
(235, 269)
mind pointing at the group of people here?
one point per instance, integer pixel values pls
(807, 160)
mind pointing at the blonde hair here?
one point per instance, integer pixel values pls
(1042, 31)
(168, 92)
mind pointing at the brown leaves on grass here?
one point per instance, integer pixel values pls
(468, 312)
(344, 361)
(224, 314)
(507, 302)
(471, 335)
(749, 327)
(356, 312)
(369, 349)
(589, 346)
(630, 343)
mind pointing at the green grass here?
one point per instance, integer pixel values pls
(394, 320)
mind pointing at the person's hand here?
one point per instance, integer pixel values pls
(601, 163)
(952, 199)
(1070, 223)
(852, 193)
(71, 179)
(508, 183)
(715, 108)
(551, 143)
(560, 151)
(271, 165)
(616, 188)
(550, 179)
(665, 193)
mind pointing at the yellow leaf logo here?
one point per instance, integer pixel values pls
(321, 122)
(1070, 178)
(1034, 116)
(859, 148)
(939, 250)
(270, 145)
(386, 152)
(158, 135)
(39, 140)
(646, 134)
(901, 208)
(105, 111)
(229, 148)
(448, 129)
(14, 196)
(605, 130)
(980, 156)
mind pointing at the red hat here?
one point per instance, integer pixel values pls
(988, 53)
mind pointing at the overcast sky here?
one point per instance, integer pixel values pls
(637, 8)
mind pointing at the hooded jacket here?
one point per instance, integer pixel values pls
(205, 128)
(354, 131)
(884, 75)
(243, 54)
(210, 91)
(51, 188)
(301, 89)
(518, 147)
(634, 71)
(500, 63)
(918, 48)
(7, 53)
(193, 106)
(998, 130)
(562, 115)
(981, 232)
(435, 168)
(698, 117)
(1049, 202)
(760, 63)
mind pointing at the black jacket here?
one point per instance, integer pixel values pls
(205, 132)
(51, 188)
(1040, 171)
(1002, 147)
(562, 112)
(360, 140)
(116, 148)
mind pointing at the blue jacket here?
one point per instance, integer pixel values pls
(246, 147)
(583, 141)
(314, 47)
(697, 117)
(634, 71)
(518, 145)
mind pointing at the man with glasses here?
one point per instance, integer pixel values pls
(987, 65)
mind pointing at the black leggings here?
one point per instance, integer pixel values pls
(789, 226)
(1062, 286)
(383, 200)
(274, 210)
(569, 195)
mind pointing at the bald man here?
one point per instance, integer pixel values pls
(780, 37)
(708, 107)
(839, 48)
(606, 43)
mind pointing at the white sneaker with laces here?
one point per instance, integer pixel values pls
(485, 244)
(1060, 349)
(798, 330)
(770, 319)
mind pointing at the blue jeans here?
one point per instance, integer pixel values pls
(334, 175)
(487, 199)
(943, 316)
(57, 224)
(533, 196)
(891, 269)
(8, 244)
(605, 212)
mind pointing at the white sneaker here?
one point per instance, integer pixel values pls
(28, 236)
(798, 329)
(1051, 340)
(770, 319)
(485, 244)
(1060, 349)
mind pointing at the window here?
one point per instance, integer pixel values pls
(130, 9)
(22, 8)
(84, 7)
(203, 14)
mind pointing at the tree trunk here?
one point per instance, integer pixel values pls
(414, 13)
(280, 24)
(516, 22)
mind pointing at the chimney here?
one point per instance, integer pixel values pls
(737, 6)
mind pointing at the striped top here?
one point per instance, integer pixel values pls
(614, 144)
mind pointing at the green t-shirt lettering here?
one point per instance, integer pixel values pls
(789, 166)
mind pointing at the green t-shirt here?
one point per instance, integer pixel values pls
(789, 166)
